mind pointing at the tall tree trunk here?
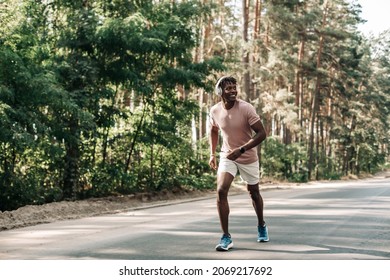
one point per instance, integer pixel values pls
(256, 37)
(328, 128)
(316, 95)
(203, 48)
(107, 129)
(134, 140)
(299, 75)
(351, 149)
(246, 53)
(72, 161)
(299, 84)
(258, 8)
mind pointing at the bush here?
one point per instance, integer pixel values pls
(284, 161)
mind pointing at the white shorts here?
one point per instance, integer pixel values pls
(249, 172)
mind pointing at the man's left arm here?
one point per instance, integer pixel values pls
(259, 137)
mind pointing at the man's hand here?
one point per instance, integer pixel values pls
(213, 162)
(233, 155)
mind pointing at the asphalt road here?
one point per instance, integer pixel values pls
(318, 221)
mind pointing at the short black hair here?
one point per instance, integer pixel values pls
(227, 80)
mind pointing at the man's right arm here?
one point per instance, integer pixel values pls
(213, 139)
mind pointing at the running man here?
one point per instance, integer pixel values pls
(242, 131)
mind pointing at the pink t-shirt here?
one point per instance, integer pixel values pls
(235, 126)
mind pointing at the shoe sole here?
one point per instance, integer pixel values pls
(221, 249)
(262, 240)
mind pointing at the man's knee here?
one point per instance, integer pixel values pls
(222, 191)
(223, 184)
(254, 191)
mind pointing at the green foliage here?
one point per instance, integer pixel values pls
(66, 132)
(283, 161)
(95, 96)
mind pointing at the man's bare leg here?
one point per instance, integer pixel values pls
(224, 180)
(257, 202)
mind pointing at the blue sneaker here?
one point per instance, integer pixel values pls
(262, 235)
(225, 244)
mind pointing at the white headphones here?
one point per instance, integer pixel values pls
(218, 89)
